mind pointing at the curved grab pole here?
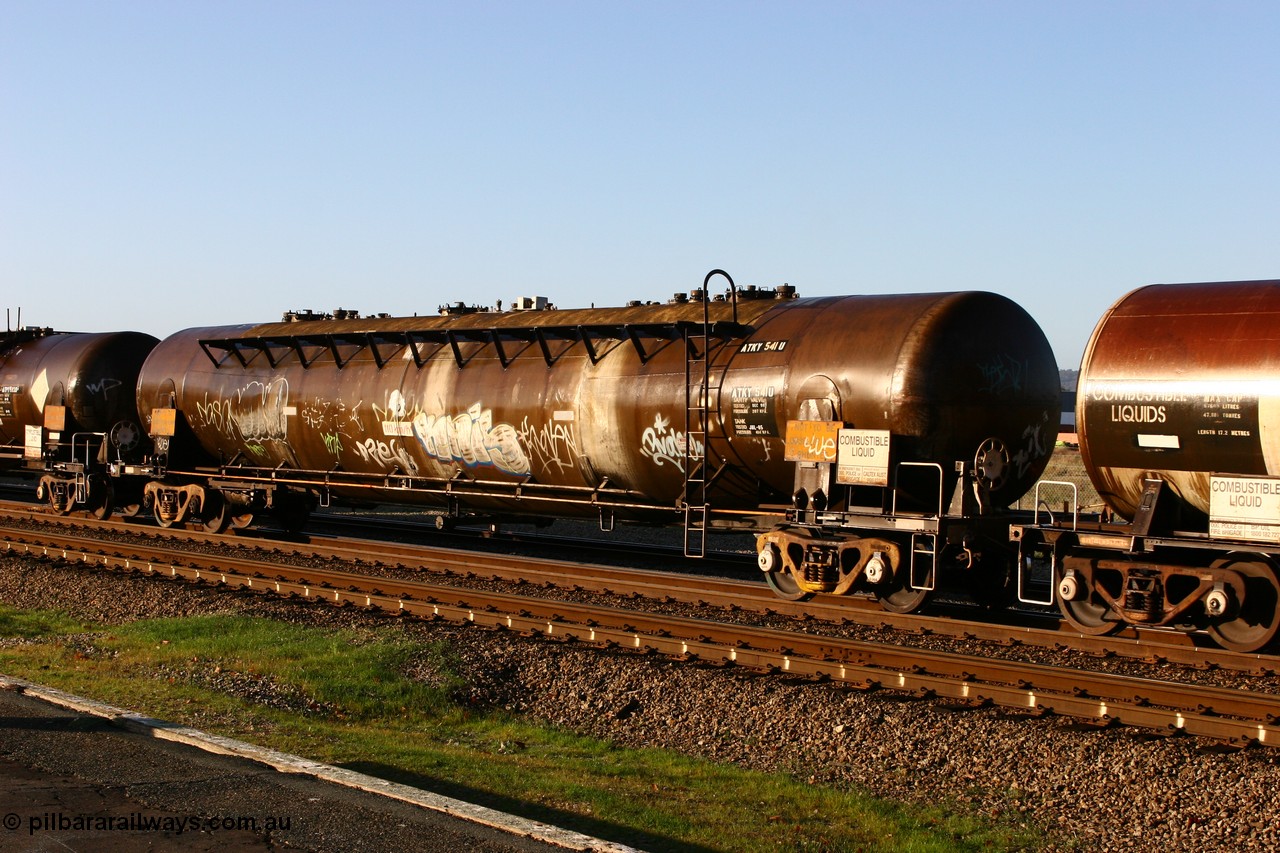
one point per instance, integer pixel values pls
(706, 291)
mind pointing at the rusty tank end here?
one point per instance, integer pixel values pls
(92, 375)
(1178, 382)
(598, 398)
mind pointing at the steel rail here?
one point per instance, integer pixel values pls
(1149, 646)
(1238, 716)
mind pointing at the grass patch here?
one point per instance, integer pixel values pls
(343, 697)
(21, 624)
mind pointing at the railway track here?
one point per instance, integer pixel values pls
(1229, 715)
(660, 589)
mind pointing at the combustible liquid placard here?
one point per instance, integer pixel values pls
(1245, 508)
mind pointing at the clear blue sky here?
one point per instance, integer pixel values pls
(170, 164)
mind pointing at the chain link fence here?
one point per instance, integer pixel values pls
(1064, 466)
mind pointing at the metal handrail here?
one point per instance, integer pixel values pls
(902, 465)
(1075, 502)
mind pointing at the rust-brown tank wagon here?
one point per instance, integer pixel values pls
(597, 412)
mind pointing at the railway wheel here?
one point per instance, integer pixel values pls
(902, 598)
(241, 521)
(1083, 609)
(1257, 619)
(784, 585)
(101, 498)
(215, 515)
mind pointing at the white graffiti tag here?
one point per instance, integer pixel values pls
(472, 438)
(330, 420)
(662, 444)
(261, 413)
(388, 454)
(1034, 446)
(554, 445)
(257, 413)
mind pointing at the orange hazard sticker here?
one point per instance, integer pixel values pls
(163, 421)
(812, 441)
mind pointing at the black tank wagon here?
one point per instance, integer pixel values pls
(68, 410)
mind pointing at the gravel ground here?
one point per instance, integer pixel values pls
(1089, 789)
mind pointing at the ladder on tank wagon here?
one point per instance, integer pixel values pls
(697, 417)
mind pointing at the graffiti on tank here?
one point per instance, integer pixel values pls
(343, 430)
(473, 439)
(391, 416)
(1034, 446)
(103, 388)
(396, 407)
(388, 454)
(553, 445)
(321, 414)
(216, 414)
(329, 419)
(256, 414)
(332, 442)
(1004, 375)
(261, 411)
(663, 444)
